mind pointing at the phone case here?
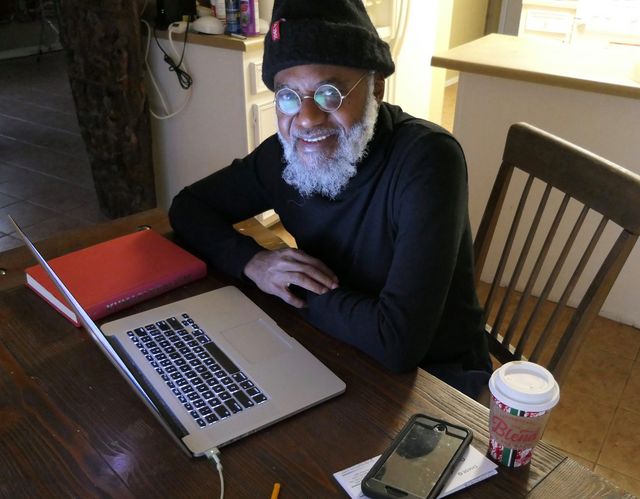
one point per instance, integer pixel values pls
(378, 489)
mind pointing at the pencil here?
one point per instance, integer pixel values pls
(276, 491)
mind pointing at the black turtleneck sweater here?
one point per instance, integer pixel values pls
(398, 238)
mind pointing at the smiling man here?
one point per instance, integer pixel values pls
(376, 200)
(322, 148)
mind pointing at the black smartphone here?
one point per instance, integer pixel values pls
(419, 461)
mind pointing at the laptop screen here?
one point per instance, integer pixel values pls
(85, 320)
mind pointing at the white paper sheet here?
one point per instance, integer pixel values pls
(472, 468)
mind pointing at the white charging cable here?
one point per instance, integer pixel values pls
(214, 455)
(173, 28)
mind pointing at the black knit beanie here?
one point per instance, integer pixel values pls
(337, 32)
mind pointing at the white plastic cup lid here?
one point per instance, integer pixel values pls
(525, 386)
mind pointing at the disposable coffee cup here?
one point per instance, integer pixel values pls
(522, 396)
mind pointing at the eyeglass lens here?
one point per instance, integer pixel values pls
(327, 97)
(288, 101)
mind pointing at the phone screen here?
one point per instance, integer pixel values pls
(419, 459)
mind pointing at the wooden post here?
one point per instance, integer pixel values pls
(105, 56)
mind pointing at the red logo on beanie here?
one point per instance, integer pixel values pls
(275, 30)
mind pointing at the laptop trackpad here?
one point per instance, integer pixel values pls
(256, 341)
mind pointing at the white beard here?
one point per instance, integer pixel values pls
(328, 175)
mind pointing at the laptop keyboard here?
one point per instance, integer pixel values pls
(208, 384)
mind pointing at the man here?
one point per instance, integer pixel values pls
(376, 200)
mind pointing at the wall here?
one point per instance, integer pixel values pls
(413, 86)
(468, 21)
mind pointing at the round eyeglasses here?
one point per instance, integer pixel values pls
(327, 97)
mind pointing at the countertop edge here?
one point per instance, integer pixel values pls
(536, 77)
(249, 44)
(534, 61)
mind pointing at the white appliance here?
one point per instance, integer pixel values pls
(607, 21)
(548, 19)
(596, 22)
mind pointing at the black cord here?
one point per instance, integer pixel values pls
(184, 79)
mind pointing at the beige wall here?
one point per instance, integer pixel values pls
(468, 21)
(443, 15)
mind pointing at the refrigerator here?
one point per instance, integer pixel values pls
(595, 22)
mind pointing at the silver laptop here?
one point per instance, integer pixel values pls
(212, 368)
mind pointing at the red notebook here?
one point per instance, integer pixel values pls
(110, 276)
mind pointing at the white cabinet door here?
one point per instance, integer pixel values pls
(264, 125)
(264, 121)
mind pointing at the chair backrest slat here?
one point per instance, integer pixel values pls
(570, 286)
(592, 302)
(522, 258)
(535, 272)
(490, 218)
(505, 255)
(553, 276)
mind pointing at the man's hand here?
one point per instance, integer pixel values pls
(274, 271)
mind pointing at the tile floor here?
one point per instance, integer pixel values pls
(45, 177)
(45, 182)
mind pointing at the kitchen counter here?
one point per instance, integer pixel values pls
(250, 44)
(589, 95)
(604, 69)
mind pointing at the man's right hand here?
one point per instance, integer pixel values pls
(274, 271)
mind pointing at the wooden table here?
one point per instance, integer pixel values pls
(70, 426)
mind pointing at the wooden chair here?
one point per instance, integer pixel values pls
(582, 187)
